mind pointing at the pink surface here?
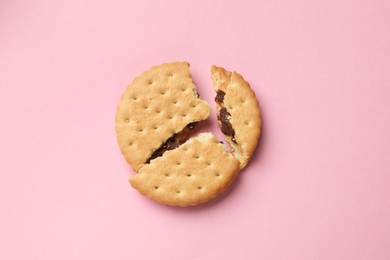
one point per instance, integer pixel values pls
(318, 186)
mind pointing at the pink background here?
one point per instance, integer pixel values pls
(318, 186)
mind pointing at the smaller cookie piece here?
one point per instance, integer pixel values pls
(238, 113)
(191, 174)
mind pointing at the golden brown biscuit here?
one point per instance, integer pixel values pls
(191, 174)
(155, 109)
(238, 113)
(152, 122)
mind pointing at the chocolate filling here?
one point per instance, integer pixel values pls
(226, 127)
(170, 144)
(173, 142)
(191, 126)
(220, 96)
(224, 116)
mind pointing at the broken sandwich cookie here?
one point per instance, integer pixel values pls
(156, 113)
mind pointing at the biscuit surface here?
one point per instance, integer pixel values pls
(245, 117)
(193, 173)
(159, 103)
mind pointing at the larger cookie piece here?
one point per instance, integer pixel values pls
(155, 112)
(191, 174)
(238, 112)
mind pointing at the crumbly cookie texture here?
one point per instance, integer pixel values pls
(238, 113)
(191, 174)
(159, 103)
